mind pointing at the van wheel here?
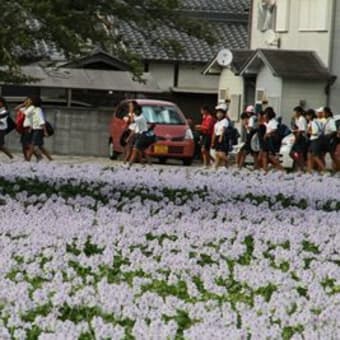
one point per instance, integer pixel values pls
(187, 161)
(112, 153)
(162, 160)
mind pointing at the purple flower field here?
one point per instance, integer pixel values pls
(167, 253)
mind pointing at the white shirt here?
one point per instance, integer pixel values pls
(140, 124)
(3, 121)
(301, 124)
(252, 122)
(34, 117)
(271, 125)
(316, 129)
(330, 126)
(220, 126)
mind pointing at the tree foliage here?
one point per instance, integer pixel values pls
(75, 27)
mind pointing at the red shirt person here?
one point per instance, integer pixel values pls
(206, 130)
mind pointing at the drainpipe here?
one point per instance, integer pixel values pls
(331, 54)
(250, 23)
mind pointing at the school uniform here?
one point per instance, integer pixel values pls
(26, 136)
(143, 137)
(3, 125)
(316, 143)
(300, 143)
(270, 142)
(329, 141)
(222, 141)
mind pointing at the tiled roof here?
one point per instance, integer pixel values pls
(229, 6)
(227, 35)
(304, 65)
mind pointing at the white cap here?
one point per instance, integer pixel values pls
(320, 109)
(222, 107)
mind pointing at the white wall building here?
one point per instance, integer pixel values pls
(294, 55)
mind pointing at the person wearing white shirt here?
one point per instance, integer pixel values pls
(314, 130)
(330, 136)
(220, 139)
(144, 137)
(3, 127)
(270, 140)
(128, 137)
(36, 120)
(299, 148)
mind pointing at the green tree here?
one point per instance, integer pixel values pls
(75, 27)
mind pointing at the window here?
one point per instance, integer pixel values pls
(314, 15)
(282, 15)
(166, 115)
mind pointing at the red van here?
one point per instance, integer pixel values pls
(174, 136)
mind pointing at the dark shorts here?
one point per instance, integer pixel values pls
(329, 143)
(300, 145)
(246, 148)
(143, 141)
(2, 137)
(26, 137)
(315, 147)
(205, 142)
(38, 137)
(269, 146)
(222, 146)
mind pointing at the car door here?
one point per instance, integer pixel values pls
(118, 126)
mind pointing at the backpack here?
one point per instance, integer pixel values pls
(232, 135)
(49, 129)
(19, 121)
(11, 125)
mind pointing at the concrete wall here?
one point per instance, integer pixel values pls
(295, 91)
(293, 38)
(77, 132)
(163, 74)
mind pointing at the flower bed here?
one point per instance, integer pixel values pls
(94, 253)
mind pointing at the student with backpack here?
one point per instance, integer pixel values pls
(330, 134)
(315, 132)
(271, 140)
(299, 129)
(220, 139)
(4, 115)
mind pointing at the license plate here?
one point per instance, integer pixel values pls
(161, 149)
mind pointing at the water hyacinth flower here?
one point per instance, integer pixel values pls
(167, 254)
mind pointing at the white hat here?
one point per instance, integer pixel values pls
(222, 107)
(320, 109)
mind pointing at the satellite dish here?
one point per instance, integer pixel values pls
(224, 57)
(270, 37)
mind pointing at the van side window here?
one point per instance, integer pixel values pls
(122, 111)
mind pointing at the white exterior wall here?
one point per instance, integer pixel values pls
(234, 85)
(163, 75)
(272, 87)
(191, 77)
(293, 38)
(312, 92)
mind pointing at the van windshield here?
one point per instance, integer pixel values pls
(165, 115)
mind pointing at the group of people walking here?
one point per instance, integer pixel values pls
(314, 134)
(30, 123)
